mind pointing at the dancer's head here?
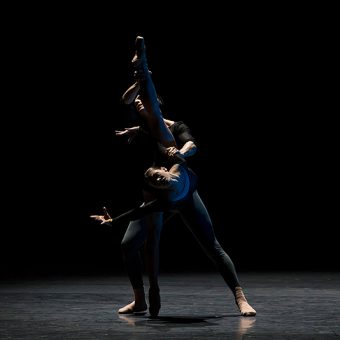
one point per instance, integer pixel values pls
(158, 177)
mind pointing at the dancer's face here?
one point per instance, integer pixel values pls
(138, 103)
(158, 177)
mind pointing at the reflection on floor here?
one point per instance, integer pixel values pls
(194, 306)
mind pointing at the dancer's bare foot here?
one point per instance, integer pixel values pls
(138, 306)
(132, 308)
(242, 303)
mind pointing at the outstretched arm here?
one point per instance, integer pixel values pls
(133, 214)
(136, 213)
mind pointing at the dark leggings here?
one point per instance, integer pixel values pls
(147, 231)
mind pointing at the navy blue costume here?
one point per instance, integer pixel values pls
(193, 213)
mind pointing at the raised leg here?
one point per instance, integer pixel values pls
(147, 102)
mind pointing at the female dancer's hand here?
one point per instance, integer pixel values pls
(104, 219)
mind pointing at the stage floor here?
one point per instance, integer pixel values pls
(296, 305)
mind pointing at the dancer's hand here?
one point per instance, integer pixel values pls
(104, 219)
(175, 155)
(129, 132)
(172, 151)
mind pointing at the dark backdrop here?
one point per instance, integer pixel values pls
(250, 85)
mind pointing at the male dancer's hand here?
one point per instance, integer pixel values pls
(171, 151)
(174, 154)
(130, 132)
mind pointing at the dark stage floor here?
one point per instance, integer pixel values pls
(194, 306)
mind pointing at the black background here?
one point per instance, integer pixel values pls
(252, 84)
